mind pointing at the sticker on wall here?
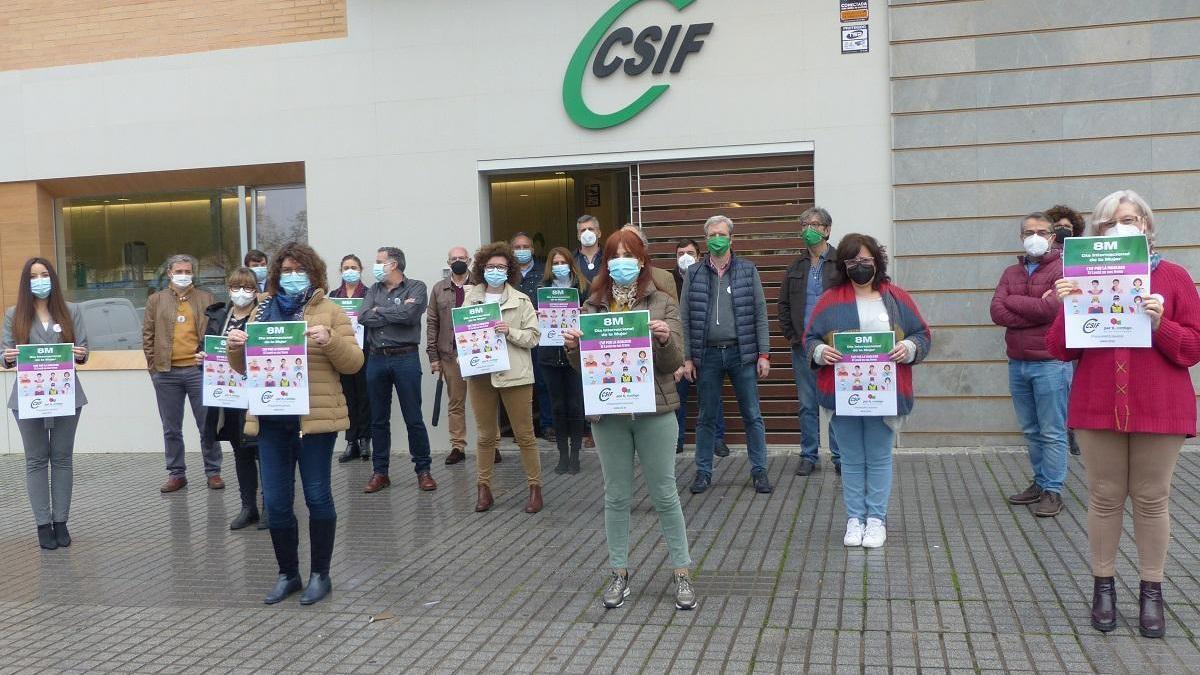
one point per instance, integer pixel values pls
(592, 195)
(853, 10)
(856, 39)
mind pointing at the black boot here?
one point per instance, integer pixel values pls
(61, 535)
(247, 516)
(573, 462)
(563, 461)
(263, 523)
(352, 451)
(1151, 621)
(46, 538)
(286, 542)
(1104, 604)
(321, 536)
(364, 448)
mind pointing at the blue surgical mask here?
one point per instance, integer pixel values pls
(351, 276)
(624, 271)
(294, 283)
(260, 273)
(41, 287)
(523, 255)
(495, 278)
(379, 271)
(561, 271)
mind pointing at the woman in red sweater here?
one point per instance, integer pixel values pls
(1131, 410)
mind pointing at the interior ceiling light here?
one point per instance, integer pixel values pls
(735, 205)
(560, 173)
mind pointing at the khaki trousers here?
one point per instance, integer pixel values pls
(456, 410)
(1138, 466)
(518, 403)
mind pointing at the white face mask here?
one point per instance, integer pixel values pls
(587, 238)
(685, 261)
(1036, 246)
(181, 280)
(241, 298)
(1123, 230)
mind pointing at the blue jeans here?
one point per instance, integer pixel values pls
(403, 373)
(1039, 393)
(866, 444)
(542, 391)
(280, 449)
(716, 364)
(810, 411)
(683, 387)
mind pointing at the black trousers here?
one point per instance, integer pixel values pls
(354, 387)
(566, 393)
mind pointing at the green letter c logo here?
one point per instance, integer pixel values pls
(573, 102)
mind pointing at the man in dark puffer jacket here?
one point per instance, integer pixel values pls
(1026, 305)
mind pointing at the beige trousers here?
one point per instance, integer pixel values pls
(456, 410)
(1138, 466)
(518, 403)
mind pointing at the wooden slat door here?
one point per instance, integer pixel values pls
(764, 196)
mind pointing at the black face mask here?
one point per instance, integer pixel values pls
(1061, 233)
(458, 267)
(861, 274)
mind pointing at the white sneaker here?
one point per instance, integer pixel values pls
(875, 534)
(854, 533)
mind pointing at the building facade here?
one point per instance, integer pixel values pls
(131, 132)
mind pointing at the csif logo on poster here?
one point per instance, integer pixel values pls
(653, 50)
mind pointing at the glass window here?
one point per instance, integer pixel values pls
(280, 216)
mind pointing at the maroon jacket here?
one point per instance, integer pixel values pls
(1020, 307)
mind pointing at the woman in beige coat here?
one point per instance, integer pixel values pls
(296, 289)
(495, 276)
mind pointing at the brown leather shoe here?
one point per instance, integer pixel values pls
(456, 455)
(426, 482)
(484, 502)
(215, 483)
(173, 483)
(378, 482)
(588, 442)
(535, 499)
(1030, 495)
(498, 457)
(1050, 505)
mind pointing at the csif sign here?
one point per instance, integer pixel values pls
(605, 50)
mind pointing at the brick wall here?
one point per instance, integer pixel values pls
(43, 33)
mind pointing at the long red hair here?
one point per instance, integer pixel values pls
(602, 284)
(24, 314)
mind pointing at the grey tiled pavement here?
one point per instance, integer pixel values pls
(158, 583)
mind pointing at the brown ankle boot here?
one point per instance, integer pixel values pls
(1151, 623)
(1104, 604)
(535, 499)
(484, 502)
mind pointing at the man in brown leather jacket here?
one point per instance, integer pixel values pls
(446, 295)
(172, 336)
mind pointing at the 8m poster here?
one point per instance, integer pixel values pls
(865, 379)
(1112, 281)
(558, 310)
(480, 348)
(45, 381)
(277, 367)
(618, 363)
(223, 388)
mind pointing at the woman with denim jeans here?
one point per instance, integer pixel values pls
(296, 292)
(863, 298)
(625, 284)
(566, 388)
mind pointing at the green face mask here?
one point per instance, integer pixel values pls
(812, 237)
(718, 245)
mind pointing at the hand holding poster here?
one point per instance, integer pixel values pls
(277, 367)
(353, 307)
(223, 388)
(558, 310)
(481, 349)
(1112, 281)
(45, 381)
(865, 379)
(617, 363)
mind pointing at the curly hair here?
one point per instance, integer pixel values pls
(848, 249)
(1059, 211)
(488, 251)
(307, 258)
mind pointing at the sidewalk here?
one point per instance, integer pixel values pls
(966, 583)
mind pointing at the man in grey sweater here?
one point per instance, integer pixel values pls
(724, 315)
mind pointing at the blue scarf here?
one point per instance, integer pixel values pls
(1155, 258)
(284, 307)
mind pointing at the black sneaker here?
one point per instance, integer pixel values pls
(721, 450)
(701, 483)
(762, 485)
(807, 466)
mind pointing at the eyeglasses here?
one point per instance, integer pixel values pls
(497, 268)
(813, 224)
(855, 262)
(248, 289)
(1127, 220)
